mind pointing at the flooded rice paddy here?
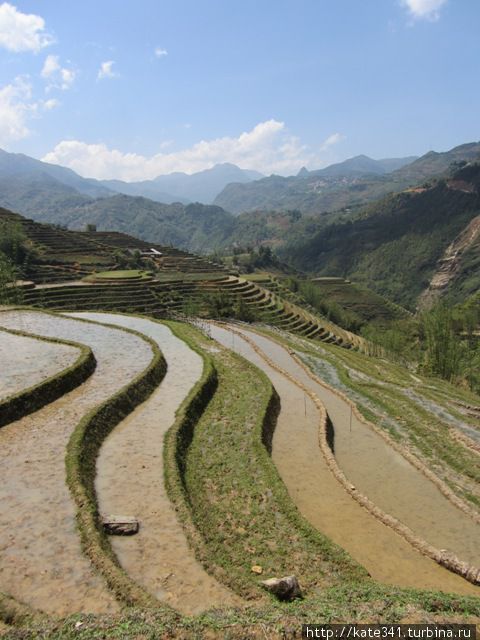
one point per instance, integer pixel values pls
(27, 361)
(41, 562)
(130, 481)
(370, 465)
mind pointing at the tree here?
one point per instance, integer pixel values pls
(13, 242)
(9, 293)
(443, 347)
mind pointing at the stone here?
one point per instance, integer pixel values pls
(120, 525)
(286, 588)
(257, 569)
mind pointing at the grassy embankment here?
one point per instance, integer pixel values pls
(20, 404)
(237, 513)
(409, 407)
(82, 451)
(236, 499)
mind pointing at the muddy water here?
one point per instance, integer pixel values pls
(130, 481)
(320, 497)
(384, 475)
(41, 561)
(27, 362)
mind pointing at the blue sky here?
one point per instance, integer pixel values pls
(123, 89)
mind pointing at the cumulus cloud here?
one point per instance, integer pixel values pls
(424, 9)
(106, 70)
(160, 53)
(15, 108)
(268, 147)
(22, 31)
(58, 77)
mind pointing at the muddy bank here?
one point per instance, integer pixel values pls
(41, 562)
(130, 481)
(318, 495)
(27, 362)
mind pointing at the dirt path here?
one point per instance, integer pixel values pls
(319, 496)
(41, 562)
(28, 361)
(130, 481)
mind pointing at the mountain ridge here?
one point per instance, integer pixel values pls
(317, 192)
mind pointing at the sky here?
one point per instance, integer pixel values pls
(134, 89)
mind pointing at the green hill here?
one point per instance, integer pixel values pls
(394, 245)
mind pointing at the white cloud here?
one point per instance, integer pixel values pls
(48, 105)
(424, 9)
(160, 53)
(106, 70)
(68, 78)
(268, 147)
(22, 31)
(335, 138)
(50, 66)
(58, 77)
(15, 108)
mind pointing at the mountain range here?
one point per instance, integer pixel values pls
(395, 244)
(203, 186)
(350, 184)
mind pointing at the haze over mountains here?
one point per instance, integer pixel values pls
(349, 184)
(203, 186)
(384, 223)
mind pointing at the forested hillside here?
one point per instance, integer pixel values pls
(394, 245)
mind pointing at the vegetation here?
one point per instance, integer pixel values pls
(14, 259)
(82, 452)
(9, 294)
(417, 412)
(394, 245)
(129, 274)
(338, 186)
(225, 485)
(238, 502)
(312, 295)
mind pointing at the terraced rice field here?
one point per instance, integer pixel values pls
(217, 513)
(398, 487)
(41, 560)
(166, 297)
(31, 361)
(130, 480)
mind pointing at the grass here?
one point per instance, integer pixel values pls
(130, 274)
(80, 461)
(369, 603)
(382, 389)
(236, 513)
(238, 502)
